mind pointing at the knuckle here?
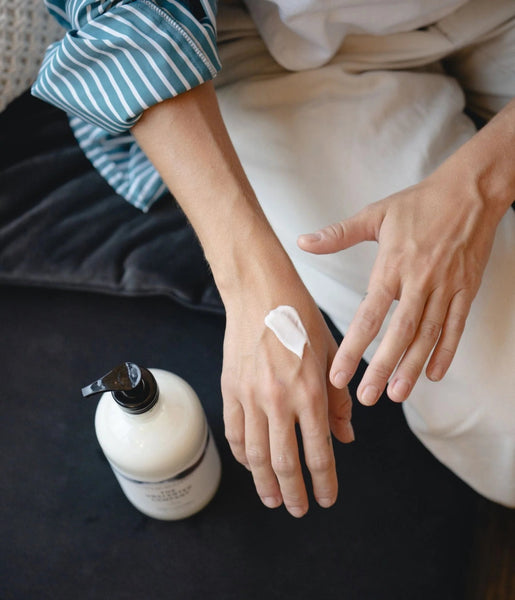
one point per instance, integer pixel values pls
(320, 463)
(456, 323)
(272, 385)
(380, 371)
(446, 354)
(405, 327)
(385, 287)
(340, 411)
(238, 452)
(276, 394)
(235, 438)
(430, 330)
(368, 322)
(241, 458)
(284, 466)
(275, 401)
(335, 230)
(347, 358)
(294, 500)
(257, 456)
(410, 369)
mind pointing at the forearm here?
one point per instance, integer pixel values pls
(265, 387)
(186, 140)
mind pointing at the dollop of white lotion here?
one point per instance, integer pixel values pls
(285, 322)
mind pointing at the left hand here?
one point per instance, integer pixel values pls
(434, 242)
(267, 390)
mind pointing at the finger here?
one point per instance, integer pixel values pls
(286, 465)
(339, 405)
(363, 226)
(318, 454)
(452, 330)
(363, 329)
(234, 421)
(399, 335)
(427, 335)
(257, 449)
(340, 413)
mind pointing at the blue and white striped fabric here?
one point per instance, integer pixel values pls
(118, 58)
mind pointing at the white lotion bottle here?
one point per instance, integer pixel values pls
(153, 431)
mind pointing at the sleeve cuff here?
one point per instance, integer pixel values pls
(111, 66)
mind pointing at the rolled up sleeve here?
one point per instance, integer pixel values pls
(119, 58)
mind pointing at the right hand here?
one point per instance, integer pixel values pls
(267, 390)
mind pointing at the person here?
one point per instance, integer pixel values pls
(339, 124)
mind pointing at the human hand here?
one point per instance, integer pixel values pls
(434, 242)
(267, 390)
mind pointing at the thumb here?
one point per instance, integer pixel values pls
(362, 227)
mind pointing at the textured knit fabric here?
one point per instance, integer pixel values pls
(26, 29)
(117, 59)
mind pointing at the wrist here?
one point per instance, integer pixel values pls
(484, 167)
(252, 268)
(186, 140)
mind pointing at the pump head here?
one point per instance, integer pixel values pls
(134, 388)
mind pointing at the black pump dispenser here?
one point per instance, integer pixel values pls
(134, 388)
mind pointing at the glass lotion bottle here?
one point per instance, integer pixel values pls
(153, 431)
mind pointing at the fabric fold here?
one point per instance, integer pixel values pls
(116, 60)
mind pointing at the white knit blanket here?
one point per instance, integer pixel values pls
(26, 29)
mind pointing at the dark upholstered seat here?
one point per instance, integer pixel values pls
(71, 254)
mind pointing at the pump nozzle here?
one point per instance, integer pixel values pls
(133, 388)
(123, 378)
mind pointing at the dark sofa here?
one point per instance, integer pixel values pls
(88, 282)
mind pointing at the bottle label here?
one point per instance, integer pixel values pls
(180, 495)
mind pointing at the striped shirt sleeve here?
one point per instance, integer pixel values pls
(118, 58)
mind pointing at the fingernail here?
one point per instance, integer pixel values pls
(340, 380)
(325, 502)
(271, 501)
(369, 395)
(436, 373)
(296, 511)
(311, 237)
(400, 390)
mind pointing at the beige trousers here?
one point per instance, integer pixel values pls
(319, 145)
